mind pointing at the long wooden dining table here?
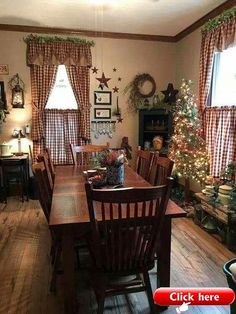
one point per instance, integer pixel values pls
(69, 219)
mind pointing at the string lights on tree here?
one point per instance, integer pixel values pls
(187, 146)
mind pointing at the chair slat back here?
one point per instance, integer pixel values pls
(31, 153)
(50, 163)
(44, 189)
(160, 170)
(143, 162)
(44, 158)
(82, 154)
(126, 225)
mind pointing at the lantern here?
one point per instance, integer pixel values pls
(17, 87)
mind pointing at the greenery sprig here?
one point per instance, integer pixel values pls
(216, 22)
(50, 39)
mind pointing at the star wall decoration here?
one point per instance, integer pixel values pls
(170, 94)
(114, 69)
(95, 70)
(115, 89)
(119, 79)
(103, 80)
(119, 119)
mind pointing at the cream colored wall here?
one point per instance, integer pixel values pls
(187, 59)
(130, 57)
(187, 67)
(12, 53)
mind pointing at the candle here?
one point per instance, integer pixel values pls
(117, 106)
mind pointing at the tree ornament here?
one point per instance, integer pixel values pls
(170, 94)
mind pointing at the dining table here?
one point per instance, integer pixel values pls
(69, 220)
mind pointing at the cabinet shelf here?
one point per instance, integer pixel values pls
(156, 131)
(150, 119)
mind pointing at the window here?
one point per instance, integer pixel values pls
(62, 95)
(223, 84)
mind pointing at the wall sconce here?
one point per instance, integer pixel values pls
(17, 86)
(18, 133)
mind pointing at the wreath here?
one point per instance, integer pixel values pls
(136, 95)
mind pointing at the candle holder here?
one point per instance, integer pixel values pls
(117, 112)
(18, 133)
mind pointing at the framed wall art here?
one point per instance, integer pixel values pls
(102, 98)
(102, 113)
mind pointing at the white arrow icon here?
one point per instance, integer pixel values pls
(183, 308)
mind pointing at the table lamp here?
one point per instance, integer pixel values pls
(17, 133)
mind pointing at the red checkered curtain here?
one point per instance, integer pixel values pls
(79, 79)
(43, 59)
(42, 80)
(64, 125)
(220, 137)
(217, 39)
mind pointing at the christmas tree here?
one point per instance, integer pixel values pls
(187, 147)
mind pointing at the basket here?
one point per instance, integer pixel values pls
(231, 283)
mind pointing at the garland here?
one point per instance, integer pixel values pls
(216, 22)
(50, 39)
(136, 98)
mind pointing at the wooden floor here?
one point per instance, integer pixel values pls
(197, 260)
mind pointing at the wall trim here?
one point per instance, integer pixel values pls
(171, 39)
(66, 31)
(212, 14)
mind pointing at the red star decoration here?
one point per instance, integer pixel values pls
(95, 70)
(119, 78)
(115, 89)
(119, 119)
(103, 80)
(114, 69)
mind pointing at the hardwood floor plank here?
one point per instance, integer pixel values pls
(25, 270)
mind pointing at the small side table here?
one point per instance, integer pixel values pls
(15, 168)
(225, 218)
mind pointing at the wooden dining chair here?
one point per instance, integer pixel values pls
(126, 227)
(160, 170)
(31, 153)
(45, 189)
(83, 154)
(50, 163)
(143, 162)
(44, 158)
(45, 199)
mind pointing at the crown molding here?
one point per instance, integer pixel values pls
(212, 14)
(66, 31)
(98, 34)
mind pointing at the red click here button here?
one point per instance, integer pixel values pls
(194, 296)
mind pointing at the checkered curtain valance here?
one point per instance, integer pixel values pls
(55, 53)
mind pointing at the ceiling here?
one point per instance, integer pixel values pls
(152, 17)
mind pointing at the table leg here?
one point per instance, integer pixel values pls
(163, 257)
(70, 304)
